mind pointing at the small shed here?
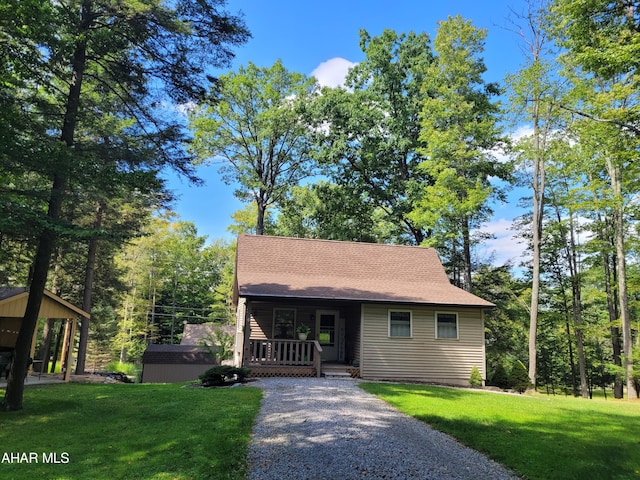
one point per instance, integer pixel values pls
(13, 304)
(175, 363)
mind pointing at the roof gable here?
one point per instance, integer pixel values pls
(326, 269)
(13, 303)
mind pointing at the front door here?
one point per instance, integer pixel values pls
(330, 335)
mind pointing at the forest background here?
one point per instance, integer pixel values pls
(416, 145)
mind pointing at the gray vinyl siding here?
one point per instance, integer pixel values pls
(262, 318)
(261, 321)
(421, 357)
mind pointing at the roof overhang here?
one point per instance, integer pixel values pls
(389, 301)
(14, 303)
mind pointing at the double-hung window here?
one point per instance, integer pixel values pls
(446, 325)
(399, 323)
(283, 322)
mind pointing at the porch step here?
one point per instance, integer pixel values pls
(336, 375)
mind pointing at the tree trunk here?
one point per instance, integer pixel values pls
(623, 298)
(466, 252)
(56, 350)
(538, 215)
(572, 364)
(576, 302)
(15, 383)
(612, 308)
(45, 348)
(88, 290)
(262, 208)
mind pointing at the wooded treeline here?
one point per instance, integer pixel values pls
(415, 148)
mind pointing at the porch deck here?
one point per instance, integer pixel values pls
(293, 358)
(284, 358)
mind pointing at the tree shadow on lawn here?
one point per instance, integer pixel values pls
(49, 407)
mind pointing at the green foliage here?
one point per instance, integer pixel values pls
(223, 374)
(636, 367)
(600, 36)
(500, 378)
(253, 123)
(368, 132)
(506, 325)
(219, 344)
(87, 77)
(459, 130)
(172, 277)
(122, 367)
(538, 437)
(519, 377)
(302, 328)
(122, 423)
(475, 380)
(332, 212)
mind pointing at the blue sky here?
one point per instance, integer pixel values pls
(321, 39)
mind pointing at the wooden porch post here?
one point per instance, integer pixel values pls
(63, 356)
(238, 347)
(69, 344)
(317, 358)
(247, 332)
(32, 350)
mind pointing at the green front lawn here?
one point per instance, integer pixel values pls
(538, 437)
(121, 431)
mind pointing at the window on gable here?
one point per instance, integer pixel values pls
(399, 323)
(446, 325)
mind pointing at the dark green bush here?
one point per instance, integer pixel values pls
(500, 378)
(223, 374)
(475, 379)
(519, 377)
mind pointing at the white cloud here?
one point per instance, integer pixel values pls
(500, 154)
(505, 247)
(521, 132)
(185, 109)
(333, 72)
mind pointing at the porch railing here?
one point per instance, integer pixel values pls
(285, 352)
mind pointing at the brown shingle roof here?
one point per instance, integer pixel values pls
(194, 333)
(325, 269)
(177, 354)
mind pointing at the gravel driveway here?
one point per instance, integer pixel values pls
(331, 429)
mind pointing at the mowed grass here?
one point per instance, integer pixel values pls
(121, 431)
(538, 437)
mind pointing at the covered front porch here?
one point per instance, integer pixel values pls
(268, 342)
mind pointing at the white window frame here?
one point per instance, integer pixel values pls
(273, 326)
(455, 314)
(399, 310)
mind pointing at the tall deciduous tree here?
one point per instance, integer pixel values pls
(253, 126)
(533, 93)
(332, 212)
(368, 131)
(460, 128)
(128, 51)
(602, 39)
